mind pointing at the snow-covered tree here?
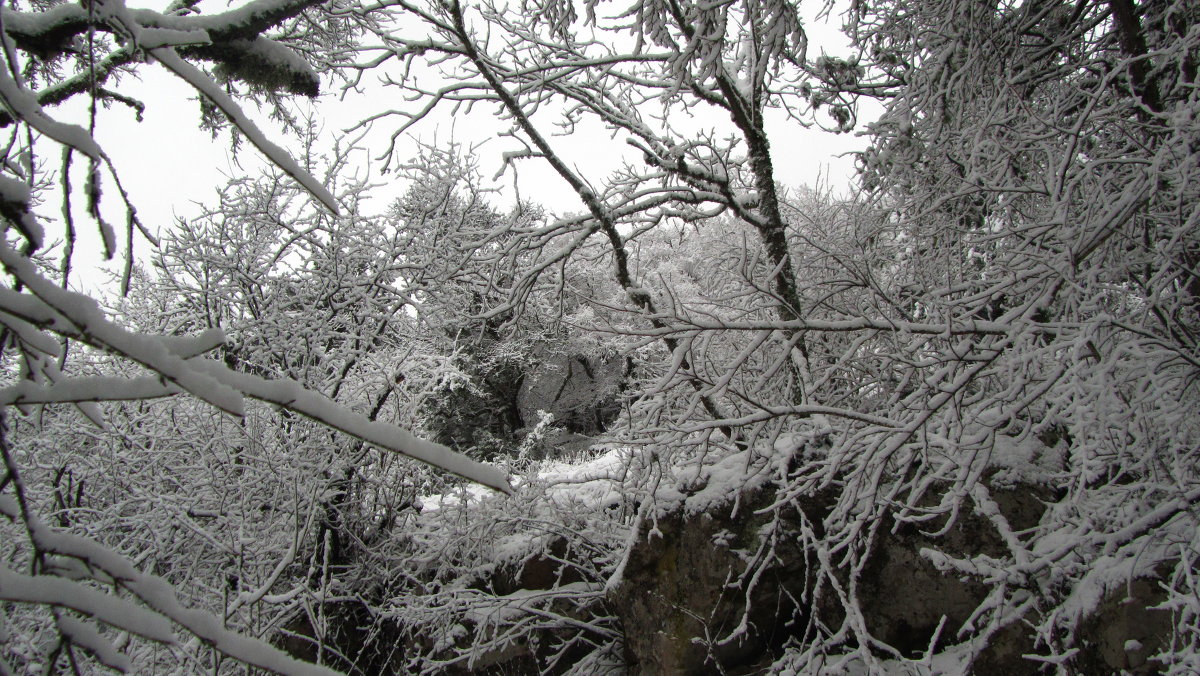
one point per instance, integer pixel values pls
(84, 600)
(1010, 300)
(1008, 304)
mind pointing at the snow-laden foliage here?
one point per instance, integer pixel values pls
(1019, 272)
(1009, 303)
(89, 566)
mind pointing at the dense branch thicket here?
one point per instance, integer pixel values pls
(1004, 312)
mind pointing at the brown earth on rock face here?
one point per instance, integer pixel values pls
(682, 601)
(684, 593)
(1125, 631)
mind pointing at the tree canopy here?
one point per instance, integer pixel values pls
(248, 458)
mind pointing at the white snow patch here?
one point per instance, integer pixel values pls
(724, 479)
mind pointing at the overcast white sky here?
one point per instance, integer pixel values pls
(169, 165)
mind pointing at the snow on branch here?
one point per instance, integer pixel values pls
(159, 606)
(93, 388)
(25, 106)
(14, 206)
(78, 317)
(232, 40)
(193, 76)
(293, 397)
(57, 591)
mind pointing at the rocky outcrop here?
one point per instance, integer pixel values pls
(720, 580)
(684, 605)
(1125, 632)
(506, 401)
(690, 603)
(581, 392)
